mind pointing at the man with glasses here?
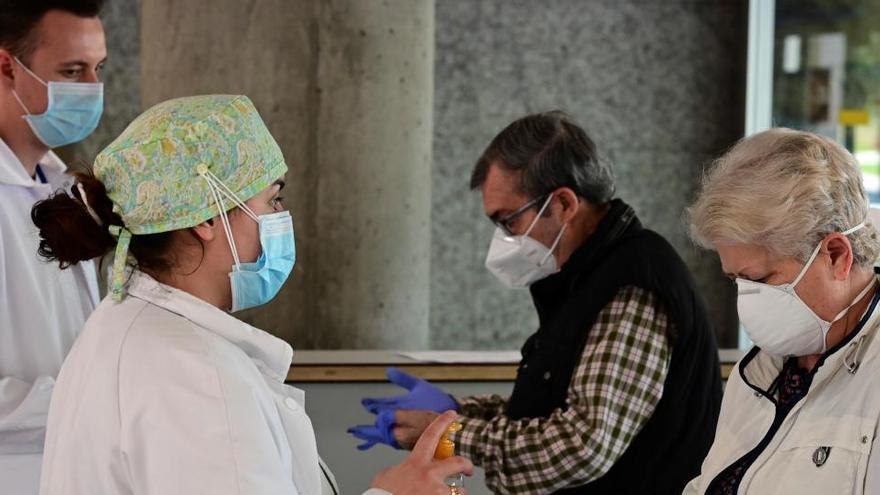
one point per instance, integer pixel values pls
(618, 391)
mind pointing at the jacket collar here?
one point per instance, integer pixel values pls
(12, 172)
(619, 220)
(272, 355)
(759, 369)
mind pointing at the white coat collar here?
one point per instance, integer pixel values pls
(271, 354)
(12, 172)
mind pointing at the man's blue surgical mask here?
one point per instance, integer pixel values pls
(255, 284)
(73, 113)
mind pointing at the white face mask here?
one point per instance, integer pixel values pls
(519, 261)
(779, 321)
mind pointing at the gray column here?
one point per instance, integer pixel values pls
(346, 88)
(375, 76)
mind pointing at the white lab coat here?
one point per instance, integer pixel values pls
(42, 310)
(164, 394)
(840, 411)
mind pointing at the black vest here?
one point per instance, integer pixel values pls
(669, 450)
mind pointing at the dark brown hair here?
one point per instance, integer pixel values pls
(549, 150)
(19, 18)
(69, 234)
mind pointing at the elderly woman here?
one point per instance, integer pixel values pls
(164, 391)
(788, 215)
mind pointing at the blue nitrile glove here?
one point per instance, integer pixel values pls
(422, 396)
(381, 432)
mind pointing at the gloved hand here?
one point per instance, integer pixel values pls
(381, 432)
(422, 396)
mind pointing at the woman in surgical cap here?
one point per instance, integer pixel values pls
(788, 215)
(165, 392)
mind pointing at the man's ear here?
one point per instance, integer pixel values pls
(840, 252)
(207, 230)
(569, 202)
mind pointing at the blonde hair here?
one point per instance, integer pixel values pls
(784, 190)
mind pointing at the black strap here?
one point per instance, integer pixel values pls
(41, 176)
(327, 477)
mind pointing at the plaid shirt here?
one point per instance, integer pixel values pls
(612, 394)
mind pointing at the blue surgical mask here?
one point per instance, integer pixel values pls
(73, 113)
(255, 284)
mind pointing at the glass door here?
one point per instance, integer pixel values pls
(815, 65)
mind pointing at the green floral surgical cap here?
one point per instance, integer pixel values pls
(156, 171)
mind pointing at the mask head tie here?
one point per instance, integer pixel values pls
(816, 253)
(120, 257)
(538, 216)
(558, 236)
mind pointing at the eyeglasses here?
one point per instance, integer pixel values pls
(504, 223)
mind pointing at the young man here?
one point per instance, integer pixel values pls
(619, 389)
(51, 55)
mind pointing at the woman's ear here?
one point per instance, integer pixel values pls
(207, 230)
(840, 252)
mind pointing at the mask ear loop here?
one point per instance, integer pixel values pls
(230, 195)
(21, 103)
(32, 74)
(224, 219)
(226, 227)
(555, 244)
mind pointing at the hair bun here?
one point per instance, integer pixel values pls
(68, 233)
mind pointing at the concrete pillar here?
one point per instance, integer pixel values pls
(375, 77)
(346, 88)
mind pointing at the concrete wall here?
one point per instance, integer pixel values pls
(659, 86)
(345, 87)
(361, 94)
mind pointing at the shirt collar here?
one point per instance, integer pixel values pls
(13, 173)
(272, 355)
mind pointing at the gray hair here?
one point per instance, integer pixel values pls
(784, 190)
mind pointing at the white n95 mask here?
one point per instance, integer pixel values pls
(519, 261)
(779, 321)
